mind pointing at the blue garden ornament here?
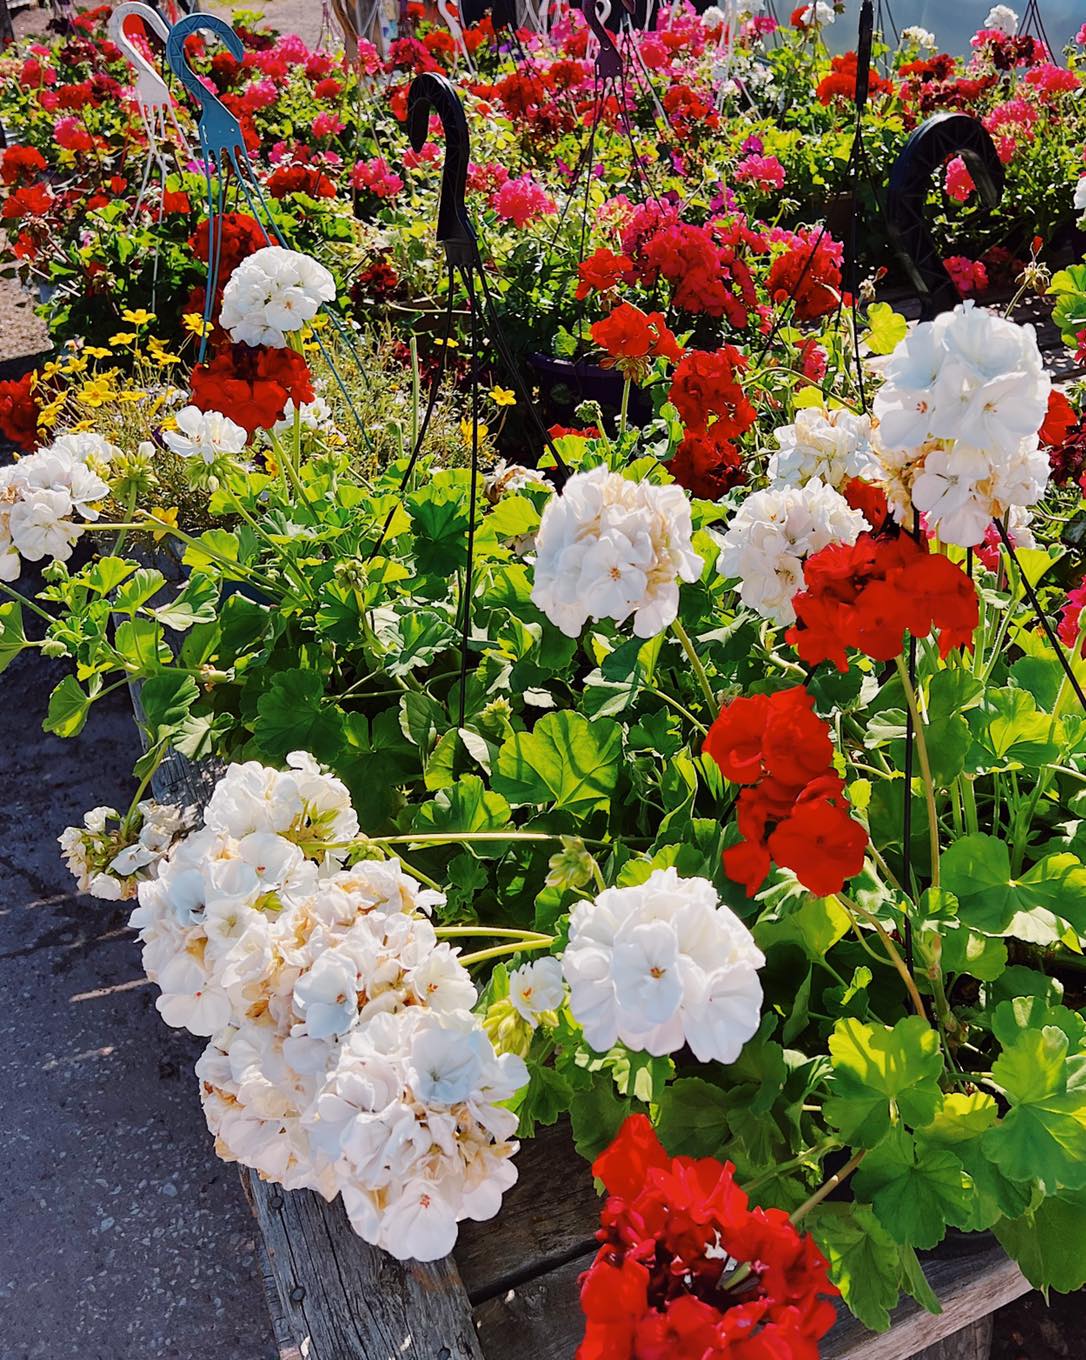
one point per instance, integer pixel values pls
(225, 158)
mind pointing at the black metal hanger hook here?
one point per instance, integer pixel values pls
(431, 93)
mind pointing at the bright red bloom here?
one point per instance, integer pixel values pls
(869, 499)
(807, 275)
(841, 81)
(707, 394)
(30, 200)
(300, 179)
(329, 88)
(252, 384)
(668, 1227)
(791, 809)
(603, 271)
(1059, 419)
(706, 466)
(19, 410)
(176, 201)
(21, 164)
(242, 236)
(632, 338)
(867, 595)
(1069, 628)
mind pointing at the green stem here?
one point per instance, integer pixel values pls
(695, 665)
(925, 769)
(854, 909)
(32, 605)
(501, 950)
(130, 506)
(828, 1186)
(625, 407)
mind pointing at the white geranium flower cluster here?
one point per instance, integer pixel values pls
(207, 435)
(343, 1054)
(661, 965)
(273, 293)
(922, 37)
(829, 446)
(47, 498)
(608, 547)
(1079, 201)
(958, 416)
(773, 533)
(109, 859)
(312, 415)
(1002, 19)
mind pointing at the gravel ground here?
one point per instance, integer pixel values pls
(125, 1237)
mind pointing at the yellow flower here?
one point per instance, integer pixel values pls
(501, 396)
(123, 338)
(138, 316)
(195, 323)
(168, 516)
(131, 395)
(81, 426)
(98, 351)
(465, 431)
(96, 392)
(453, 344)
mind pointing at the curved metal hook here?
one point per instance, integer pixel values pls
(431, 92)
(220, 131)
(445, 9)
(608, 58)
(945, 134)
(863, 55)
(151, 89)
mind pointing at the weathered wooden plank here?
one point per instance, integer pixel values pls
(342, 1299)
(968, 1287)
(540, 1320)
(971, 1343)
(548, 1218)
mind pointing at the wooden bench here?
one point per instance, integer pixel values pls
(509, 1291)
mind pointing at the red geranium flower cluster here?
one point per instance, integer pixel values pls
(671, 1229)
(603, 272)
(792, 810)
(1070, 625)
(252, 384)
(705, 466)
(867, 594)
(242, 236)
(633, 338)
(300, 179)
(703, 265)
(21, 164)
(841, 81)
(706, 393)
(808, 275)
(19, 408)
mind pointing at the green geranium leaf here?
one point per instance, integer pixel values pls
(292, 717)
(566, 761)
(166, 700)
(887, 328)
(865, 1262)
(138, 589)
(1017, 730)
(977, 869)
(195, 604)
(1042, 1138)
(693, 1118)
(68, 708)
(875, 1068)
(1049, 1243)
(915, 1189)
(12, 637)
(467, 805)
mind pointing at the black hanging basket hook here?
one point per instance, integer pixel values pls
(432, 93)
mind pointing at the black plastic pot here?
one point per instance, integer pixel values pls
(565, 383)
